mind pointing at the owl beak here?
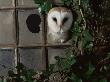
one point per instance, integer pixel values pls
(61, 31)
(61, 25)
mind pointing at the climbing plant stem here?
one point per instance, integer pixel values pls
(82, 15)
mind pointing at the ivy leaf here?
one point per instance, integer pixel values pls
(65, 63)
(46, 6)
(11, 73)
(90, 70)
(75, 78)
(68, 63)
(87, 39)
(28, 74)
(103, 80)
(67, 2)
(87, 36)
(108, 55)
(39, 1)
(76, 32)
(89, 73)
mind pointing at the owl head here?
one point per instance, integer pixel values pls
(59, 19)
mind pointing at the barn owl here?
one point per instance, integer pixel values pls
(59, 20)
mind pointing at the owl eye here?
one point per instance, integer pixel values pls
(65, 19)
(54, 19)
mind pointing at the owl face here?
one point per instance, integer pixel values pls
(59, 19)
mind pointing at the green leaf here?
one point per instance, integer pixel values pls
(20, 66)
(65, 64)
(90, 70)
(67, 2)
(28, 74)
(68, 63)
(51, 68)
(108, 55)
(87, 39)
(89, 73)
(87, 36)
(11, 73)
(46, 6)
(39, 1)
(103, 80)
(75, 78)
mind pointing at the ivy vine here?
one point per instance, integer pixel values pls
(44, 5)
(78, 64)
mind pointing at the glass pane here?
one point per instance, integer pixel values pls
(7, 27)
(30, 27)
(52, 52)
(7, 61)
(26, 3)
(6, 3)
(32, 58)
